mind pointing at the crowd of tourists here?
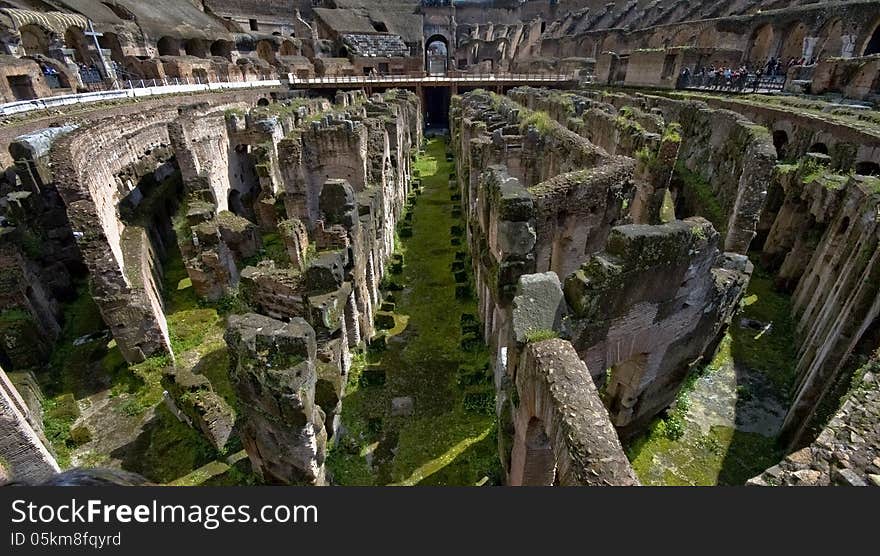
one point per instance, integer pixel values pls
(741, 78)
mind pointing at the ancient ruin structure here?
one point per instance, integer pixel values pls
(523, 243)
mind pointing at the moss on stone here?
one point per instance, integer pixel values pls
(441, 443)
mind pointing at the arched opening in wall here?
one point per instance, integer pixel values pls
(793, 44)
(222, 49)
(196, 47)
(110, 41)
(168, 46)
(76, 41)
(539, 463)
(288, 48)
(868, 168)
(263, 102)
(780, 141)
(265, 51)
(761, 44)
(830, 41)
(34, 40)
(820, 148)
(873, 45)
(437, 107)
(437, 55)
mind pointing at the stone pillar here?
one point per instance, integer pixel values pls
(273, 371)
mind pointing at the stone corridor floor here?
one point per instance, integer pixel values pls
(724, 429)
(419, 408)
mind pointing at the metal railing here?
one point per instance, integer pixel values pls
(103, 90)
(422, 77)
(742, 84)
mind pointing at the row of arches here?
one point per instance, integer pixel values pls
(785, 150)
(200, 48)
(795, 41)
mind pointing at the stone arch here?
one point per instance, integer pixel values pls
(868, 168)
(820, 148)
(76, 40)
(34, 40)
(830, 40)
(196, 47)
(761, 44)
(872, 46)
(288, 48)
(266, 51)
(562, 432)
(111, 42)
(539, 464)
(222, 49)
(780, 141)
(437, 53)
(168, 46)
(793, 42)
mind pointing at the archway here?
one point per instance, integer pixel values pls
(168, 46)
(437, 55)
(780, 141)
(793, 44)
(222, 49)
(868, 168)
(265, 51)
(288, 48)
(110, 41)
(873, 45)
(831, 41)
(820, 148)
(76, 40)
(196, 47)
(34, 40)
(761, 48)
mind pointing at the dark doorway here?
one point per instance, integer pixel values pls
(868, 168)
(780, 141)
(437, 55)
(437, 107)
(22, 87)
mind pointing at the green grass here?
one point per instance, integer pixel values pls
(701, 198)
(675, 452)
(773, 353)
(443, 442)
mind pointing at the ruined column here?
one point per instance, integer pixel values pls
(273, 371)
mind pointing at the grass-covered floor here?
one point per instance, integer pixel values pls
(101, 412)
(723, 427)
(450, 439)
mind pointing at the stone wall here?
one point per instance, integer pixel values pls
(563, 436)
(537, 202)
(847, 452)
(23, 453)
(95, 168)
(822, 245)
(652, 304)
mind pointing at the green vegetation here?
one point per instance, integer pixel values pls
(450, 438)
(536, 336)
(771, 352)
(679, 448)
(702, 200)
